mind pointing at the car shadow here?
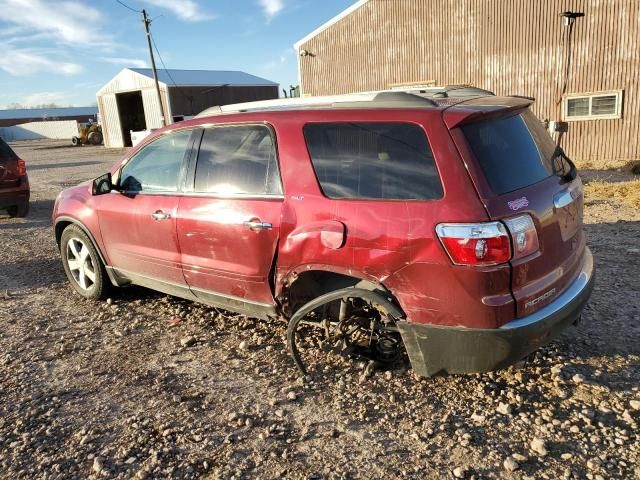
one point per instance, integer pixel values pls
(612, 317)
(58, 147)
(46, 166)
(39, 216)
(29, 274)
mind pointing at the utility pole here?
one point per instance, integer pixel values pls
(147, 22)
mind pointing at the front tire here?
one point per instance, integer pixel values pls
(82, 264)
(95, 138)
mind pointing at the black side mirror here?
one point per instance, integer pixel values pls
(573, 171)
(102, 185)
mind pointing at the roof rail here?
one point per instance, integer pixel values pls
(457, 91)
(410, 98)
(392, 99)
(285, 103)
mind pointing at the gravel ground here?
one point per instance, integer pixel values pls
(146, 385)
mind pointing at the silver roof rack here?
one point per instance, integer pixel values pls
(410, 98)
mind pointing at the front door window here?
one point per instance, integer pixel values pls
(158, 167)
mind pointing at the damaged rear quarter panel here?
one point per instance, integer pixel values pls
(388, 242)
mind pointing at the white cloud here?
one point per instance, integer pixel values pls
(43, 98)
(271, 7)
(67, 27)
(37, 99)
(70, 22)
(187, 10)
(27, 62)
(126, 62)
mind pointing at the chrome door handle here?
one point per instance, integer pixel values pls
(257, 225)
(160, 215)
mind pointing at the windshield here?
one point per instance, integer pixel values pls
(513, 152)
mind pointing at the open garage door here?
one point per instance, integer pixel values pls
(131, 113)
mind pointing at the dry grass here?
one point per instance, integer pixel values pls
(632, 166)
(628, 192)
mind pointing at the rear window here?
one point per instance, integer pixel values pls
(513, 152)
(5, 151)
(389, 161)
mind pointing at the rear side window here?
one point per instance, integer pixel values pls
(513, 152)
(5, 152)
(390, 161)
(238, 159)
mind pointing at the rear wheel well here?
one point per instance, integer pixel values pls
(311, 284)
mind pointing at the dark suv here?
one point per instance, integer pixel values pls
(449, 228)
(14, 183)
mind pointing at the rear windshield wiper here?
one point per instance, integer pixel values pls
(559, 162)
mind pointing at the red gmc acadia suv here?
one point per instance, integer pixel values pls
(446, 224)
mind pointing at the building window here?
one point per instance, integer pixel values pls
(592, 106)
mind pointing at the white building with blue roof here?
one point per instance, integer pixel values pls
(129, 101)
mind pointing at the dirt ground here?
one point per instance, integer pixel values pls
(112, 390)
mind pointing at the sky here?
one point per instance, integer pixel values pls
(63, 51)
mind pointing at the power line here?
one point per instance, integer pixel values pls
(127, 6)
(188, 98)
(162, 61)
(147, 22)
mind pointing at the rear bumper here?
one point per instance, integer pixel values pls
(433, 348)
(12, 196)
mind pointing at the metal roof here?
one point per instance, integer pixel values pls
(183, 78)
(48, 112)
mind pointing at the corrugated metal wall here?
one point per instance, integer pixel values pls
(110, 119)
(509, 47)
(127, 81)
(193, 100)
(152, 113)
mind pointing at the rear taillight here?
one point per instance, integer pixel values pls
(524, 235)
(22, 168)
(475, 243)
(489, 243)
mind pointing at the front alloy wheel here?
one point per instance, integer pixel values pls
(82, 264)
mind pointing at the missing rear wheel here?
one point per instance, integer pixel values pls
(341, 326)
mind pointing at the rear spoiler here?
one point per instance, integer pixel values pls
(477, 109)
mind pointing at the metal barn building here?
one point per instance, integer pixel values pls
(129, 101)
(582, 67)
